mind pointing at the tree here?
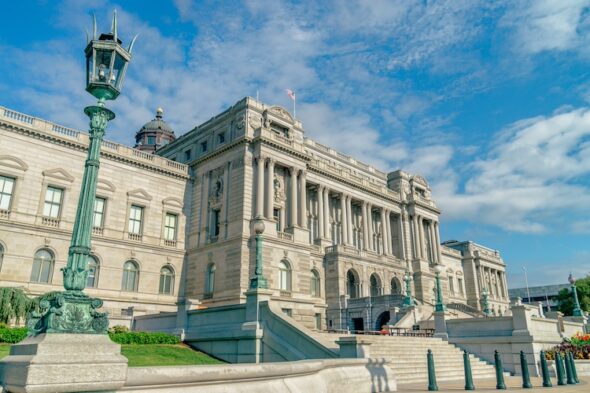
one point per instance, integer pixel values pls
(14, 305)
(565, 297)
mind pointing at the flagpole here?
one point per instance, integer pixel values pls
(294, 107)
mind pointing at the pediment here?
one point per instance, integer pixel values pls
(281, 113)
(139, 193)
(13, 162)
(172, 201)
(105, 185)
(59, 174)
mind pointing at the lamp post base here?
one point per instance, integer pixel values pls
(68, 312)
(258, 282)
(64, 363)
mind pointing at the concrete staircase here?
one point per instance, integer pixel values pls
(407, 358)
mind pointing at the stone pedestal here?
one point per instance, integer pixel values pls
(354, 347)
(63, 362)
(440, 325)
(250, 350)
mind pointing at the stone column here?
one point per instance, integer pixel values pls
(505, 285)
(402, 234)
(205, 208)
(433, 243)
(343, 228)
(349, 219)
(270, 188)
(421, 237)
(327, 212)
(260, 187)
(413, 229)
(320, 197)
(437, 237)
(383, 233)
(370, 226)
(388, 233)
(365, 226)
(293, 198)
(302, 200)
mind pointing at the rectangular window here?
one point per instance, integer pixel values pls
(276, 215)
(221, 138)
(451, 285)
(215, 223)
(151, 140)
(204, 146)
(6, 190)
(187, 155)
(170, 226)
(98, 219)
(135, 219)
(287, 311)
(318, 321)
(53, 198)
(460, 283)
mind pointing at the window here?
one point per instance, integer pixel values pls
(460, 284)
(6, 190)
(215, 223)
(221, 138)
(53, 198)
(135, 219)
(352, 284)
(151, 140)
(395, 286)
(210, 281)
(170, 226)
(187, 155)
(42, 266)
(130, 277)
(98, 219)
(318, 321)
(276, 215)
(288, 312)
(315, 283)
(203, 147)
(452, 285)
(375, 285)
(284, 276)
(92, 278)
(166, 280)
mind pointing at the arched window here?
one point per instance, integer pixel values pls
(166, 280)
(375, 285)
(396, 288)
(130, 277)
(315, 283)
(352, 284)
(210, 280)
(93, 267)
(284, 276)
(42, 266)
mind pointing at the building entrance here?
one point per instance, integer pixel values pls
(358, 324)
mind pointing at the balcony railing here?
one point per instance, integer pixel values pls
(97, 231)
(50, 222)
(170, 243)
(134, 236)
(285, 236)
(4, 214)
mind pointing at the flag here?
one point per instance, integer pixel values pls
(291, 94)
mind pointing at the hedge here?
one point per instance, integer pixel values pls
(143, 338)
(12, 335)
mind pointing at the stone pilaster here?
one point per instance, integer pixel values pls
(293, 198)
(270, 189)
(259, 186)
(302, 200)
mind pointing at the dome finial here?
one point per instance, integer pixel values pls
(159, 112)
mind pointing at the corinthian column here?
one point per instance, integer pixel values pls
(327, 212)
(270, 188)
(343, 222)
(260, 187)
(370, 226)
(293, 202)
(349, 219)
(365, 226)
(302, 200)
(320, 197)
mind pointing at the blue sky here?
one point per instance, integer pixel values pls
(488, 100)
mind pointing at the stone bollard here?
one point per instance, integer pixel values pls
(568, 370)
(559, 369)
(574, 371)
(524, 367)
(432, 386)
(545, 371)
(468, 375)
(499, 372)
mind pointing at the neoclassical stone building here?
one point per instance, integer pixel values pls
(339, 234)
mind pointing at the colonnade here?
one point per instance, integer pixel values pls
(495, 282)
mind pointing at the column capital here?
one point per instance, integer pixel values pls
(271, 160)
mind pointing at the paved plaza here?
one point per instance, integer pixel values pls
(512, 384)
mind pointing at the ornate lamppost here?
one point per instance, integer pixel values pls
(485, 303)
(439, 306)
(577, 310)
(72, 311)
(258, 281)
(408, 301)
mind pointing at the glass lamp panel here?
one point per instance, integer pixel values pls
(103, 65)
(118, 68)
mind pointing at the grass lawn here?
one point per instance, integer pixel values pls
(154, 355)
(164, 355)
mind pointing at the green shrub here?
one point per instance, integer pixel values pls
(12, 335)
(143, 338)
(119, 329)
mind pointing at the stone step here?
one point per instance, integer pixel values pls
(449, 369)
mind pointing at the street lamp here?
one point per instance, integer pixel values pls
(408, 298)
(72, 311)
(485, 303)
(258, 281)
(526, 281)
(577, 310)
(438, 269)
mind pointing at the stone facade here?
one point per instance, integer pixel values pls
(340, 234)
(43, 162)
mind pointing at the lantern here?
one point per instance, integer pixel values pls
(106, 63)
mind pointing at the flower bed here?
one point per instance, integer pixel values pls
(578, 345)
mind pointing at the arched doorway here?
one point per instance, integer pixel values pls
(382, 319)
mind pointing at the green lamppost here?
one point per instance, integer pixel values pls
(485, 303)
(408, 301)
(439, 306)
(72, 311)
(577, 310)
(258, 281)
